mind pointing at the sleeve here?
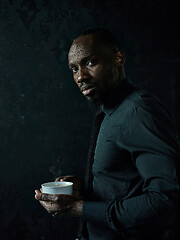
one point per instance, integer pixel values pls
(153, 144)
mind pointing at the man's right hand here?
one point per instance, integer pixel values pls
(77, 184)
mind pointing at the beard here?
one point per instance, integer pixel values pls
(100, 96)
(94, 104)
(96, 101)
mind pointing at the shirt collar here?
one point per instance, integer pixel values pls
(116, 96)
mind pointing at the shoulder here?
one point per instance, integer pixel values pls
(143, 101)
(142, 110)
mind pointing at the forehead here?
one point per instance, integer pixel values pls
(85, 46)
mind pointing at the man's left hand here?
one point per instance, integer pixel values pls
(60, 204)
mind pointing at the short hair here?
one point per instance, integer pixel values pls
(106, 36)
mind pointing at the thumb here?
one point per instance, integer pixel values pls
(37, 193)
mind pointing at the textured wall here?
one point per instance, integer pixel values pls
(44, 121)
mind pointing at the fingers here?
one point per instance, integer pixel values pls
(59, 204)
(51, 197)
(59, 178)
(46, 205)
(45, 197)
(65, 178)
(49, 207)
(36, 194)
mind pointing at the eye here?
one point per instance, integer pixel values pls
(91, 62)
(74, 69)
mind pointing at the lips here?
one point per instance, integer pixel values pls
(86, 90)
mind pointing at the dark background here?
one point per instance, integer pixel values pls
(44, 121)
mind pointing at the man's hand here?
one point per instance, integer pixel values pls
(77, 184)
(60, 204)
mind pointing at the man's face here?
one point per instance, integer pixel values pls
(93, 66)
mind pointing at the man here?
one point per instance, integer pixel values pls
(131, 191)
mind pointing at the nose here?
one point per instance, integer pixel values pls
(83, 75)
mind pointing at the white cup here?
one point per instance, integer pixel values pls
(57, 188)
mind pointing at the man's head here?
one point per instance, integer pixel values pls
(97, 63)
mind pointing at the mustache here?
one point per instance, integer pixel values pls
(85, 86)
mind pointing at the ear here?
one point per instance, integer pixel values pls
(119, 58)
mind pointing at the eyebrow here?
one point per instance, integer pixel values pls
(84, 59)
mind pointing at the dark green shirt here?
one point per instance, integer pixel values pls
(135, 187)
